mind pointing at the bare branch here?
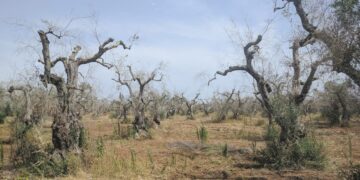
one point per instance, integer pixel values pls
(279, 8)
(230, 69)
(103, 48)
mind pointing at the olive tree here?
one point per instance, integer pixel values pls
(340, 35)
(140, 81)
(290, 128)
(67, 127)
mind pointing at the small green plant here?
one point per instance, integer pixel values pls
(100, 148)
(202, 134)
(73, 163)
(83, 138)
(253, 146)
(2, 117)
(7, 110)
(332, 113)
(1, 155)
(133, 159)
(225, 150)
(173, 159)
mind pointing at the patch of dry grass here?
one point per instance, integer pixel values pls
(174, 152)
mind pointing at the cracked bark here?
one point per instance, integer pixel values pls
(67, 127)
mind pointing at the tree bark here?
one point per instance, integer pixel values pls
(67, 127)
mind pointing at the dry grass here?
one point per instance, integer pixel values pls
(174, 152)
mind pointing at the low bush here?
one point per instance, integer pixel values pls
(305, 152)
(331, 113)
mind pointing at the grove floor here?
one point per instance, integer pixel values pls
(174, 151)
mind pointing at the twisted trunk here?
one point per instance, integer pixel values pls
(67, 127)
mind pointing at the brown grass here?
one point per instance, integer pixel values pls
(174, 152)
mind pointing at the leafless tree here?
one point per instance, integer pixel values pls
(27, 118)
(206, 106)
(137, 97)
(225, 106)
(237, 105)
(341, 38)
(299, 90)
(67, 127)
(158, 105)
(190, 105)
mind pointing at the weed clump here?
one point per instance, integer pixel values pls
(225, 150)
(2, 117)
(1, 155)
(305, 152)
(202, 134)
(100, 147)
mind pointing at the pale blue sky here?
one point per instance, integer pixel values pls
(189, 36)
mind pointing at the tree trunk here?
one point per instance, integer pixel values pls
(345, 113)
(66, 131)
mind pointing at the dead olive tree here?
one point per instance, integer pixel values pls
(237, 105)
(291, 128)
(125, 105)
(137, 97)
(158, 105)
(67, 127)
(27, 117)
(190, 105)
(225, 105)
(340, 36)
(173, 106)
(206, 106)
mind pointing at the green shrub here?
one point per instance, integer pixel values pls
(272, 133)
(31, 156)
(202, 134)
(133, 159)
(83, 138)
(100, 148)
(1, 155)
(2, 117)
(332, 113)
(225, 150)
(124, 131)
(73, 163)
(7, 110)
(305, 152)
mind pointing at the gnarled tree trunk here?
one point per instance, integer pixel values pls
(67, 127)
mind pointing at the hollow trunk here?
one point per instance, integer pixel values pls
(67, 127)
(66, 131)
(140, 119)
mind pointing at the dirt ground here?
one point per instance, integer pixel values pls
(174, 151)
